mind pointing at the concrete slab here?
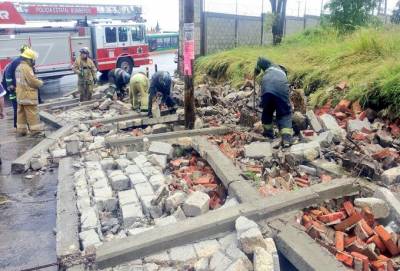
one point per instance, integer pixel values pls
(51, 119)
(67, 214)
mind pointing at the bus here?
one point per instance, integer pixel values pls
(163, 41)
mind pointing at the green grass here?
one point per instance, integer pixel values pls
(318, 59)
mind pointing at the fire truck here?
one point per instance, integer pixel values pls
(112, 43)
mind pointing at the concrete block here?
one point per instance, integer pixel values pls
(132, 155)
(258, 150)
(174, 201)
(271, 249)
(306, 152)
(108, 164)
(219, 261)
(207, 248)
(150, 171)
(59, 153)
(100, 183)
(89, 219)
(250, 239)
(72, 147)
(234, 253)
(131, 213)
(123, 163)
(238, 265)
(151, 267)
(102, 192)
(158, 147)
(325, 139)
(155, 211)
(202, 265)
(263, 261)
(89, 238)
(120, 182)
(243, 224)
(391, 176)
(161, 258)
(183, 254)
(160, 128)
(83, 203)
(230, 202)
(157, 181)
(136, 231)
(38, 162)
(331, 168)
(392, 200)
(128, 197)
(106, 203)
(329, 123)
(196, 204)
(140, 160)
(228, 240)
(313, 120)
(379, 207)
(358, 125)
(165, 220)
(179, 214)
(144, 190)
(137, 178)
(132, 169)
(159, 160)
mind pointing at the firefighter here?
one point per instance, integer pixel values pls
(86, 70)
(2, 94)
(275, 97)
(119, 80)
(9, 81)
(139, 91)
(161, 85)
(27, 95)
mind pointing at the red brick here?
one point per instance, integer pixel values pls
(324, 210)
(363, 248)
(363, 115)
(325, 178)
(332, 217)
(360, 232)
(363, 259)
(378, 242)
(368, 216)
(348, 206)
(349, 222)
(379, 265)
(388, 261)
(343, 106)
(366, 227)
(356, 107)
(359, 136)
(387, 240)
(349, 240)
(308, 132)
(339, 239)
(345, 258)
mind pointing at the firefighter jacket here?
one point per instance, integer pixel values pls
(86, 71)
(27, 84)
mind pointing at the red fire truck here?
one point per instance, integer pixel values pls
(112, 43)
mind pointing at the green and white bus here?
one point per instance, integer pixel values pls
(163, 41)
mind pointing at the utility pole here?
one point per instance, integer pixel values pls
(236, 26)
(298, 8)
(188, 61)
(386, 7)
(322, 8)
(262, 21)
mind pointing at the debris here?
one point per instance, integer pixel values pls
(379, 208)
(258, 150)
(196, 204)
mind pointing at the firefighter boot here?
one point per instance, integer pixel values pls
(268, 131)
(287, 139)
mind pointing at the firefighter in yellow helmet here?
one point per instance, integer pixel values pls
(86, 70)
(139, 91)
(27, 85)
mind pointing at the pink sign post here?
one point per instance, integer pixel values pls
(188, 48)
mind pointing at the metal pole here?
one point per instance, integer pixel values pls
(155, 68)
(147, 72)
(236, 25)
(262, 21)
(189, 61)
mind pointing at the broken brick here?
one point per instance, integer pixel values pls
(356, 107)
(360, 260)
(382, 154)
(325, 178)
(359, 136)
(362, 230)
(332, 217)
(378, 242)
(349, 222)
(308, 132)
(339, 238)
(348, 206)
(345, 258)
(387, 240)
(343, 106)
(362, 116)
(349, 240)
(361, 247)
(394, 129)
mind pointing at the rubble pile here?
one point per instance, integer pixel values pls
(122, 193)
(244, 249)
(354, 233)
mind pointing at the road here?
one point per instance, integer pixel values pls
(54, 88)
(28, 206)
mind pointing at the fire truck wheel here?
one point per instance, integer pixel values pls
(125, 63)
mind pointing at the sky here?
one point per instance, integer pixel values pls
(166, 12)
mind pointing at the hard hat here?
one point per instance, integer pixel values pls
(84, 50)
(23, 48)
(165, 79)
(29, 54)
(126, 77)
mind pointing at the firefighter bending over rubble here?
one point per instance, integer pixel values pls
(161, 86)
(139, 91)
(27, 85)
(86, 70)
(275, 97)
(119, 80)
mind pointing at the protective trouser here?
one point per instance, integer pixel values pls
(85, 91)
(28, 117)
(271, 103)
(138, 90)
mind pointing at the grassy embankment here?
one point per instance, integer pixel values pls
(318, 59)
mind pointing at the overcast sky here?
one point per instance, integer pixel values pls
(166, 11)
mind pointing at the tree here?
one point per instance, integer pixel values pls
(279, 14)
(396, 14)
(348, 15)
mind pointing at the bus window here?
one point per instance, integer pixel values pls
(122, 34)
(167, 42)
(160, 43)
(174, 41)
(152, 44)
(111, 34)
(137, 33)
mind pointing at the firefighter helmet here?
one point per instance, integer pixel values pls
(84, 50)
(29, 54)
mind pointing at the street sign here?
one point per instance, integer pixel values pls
(9, 15)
